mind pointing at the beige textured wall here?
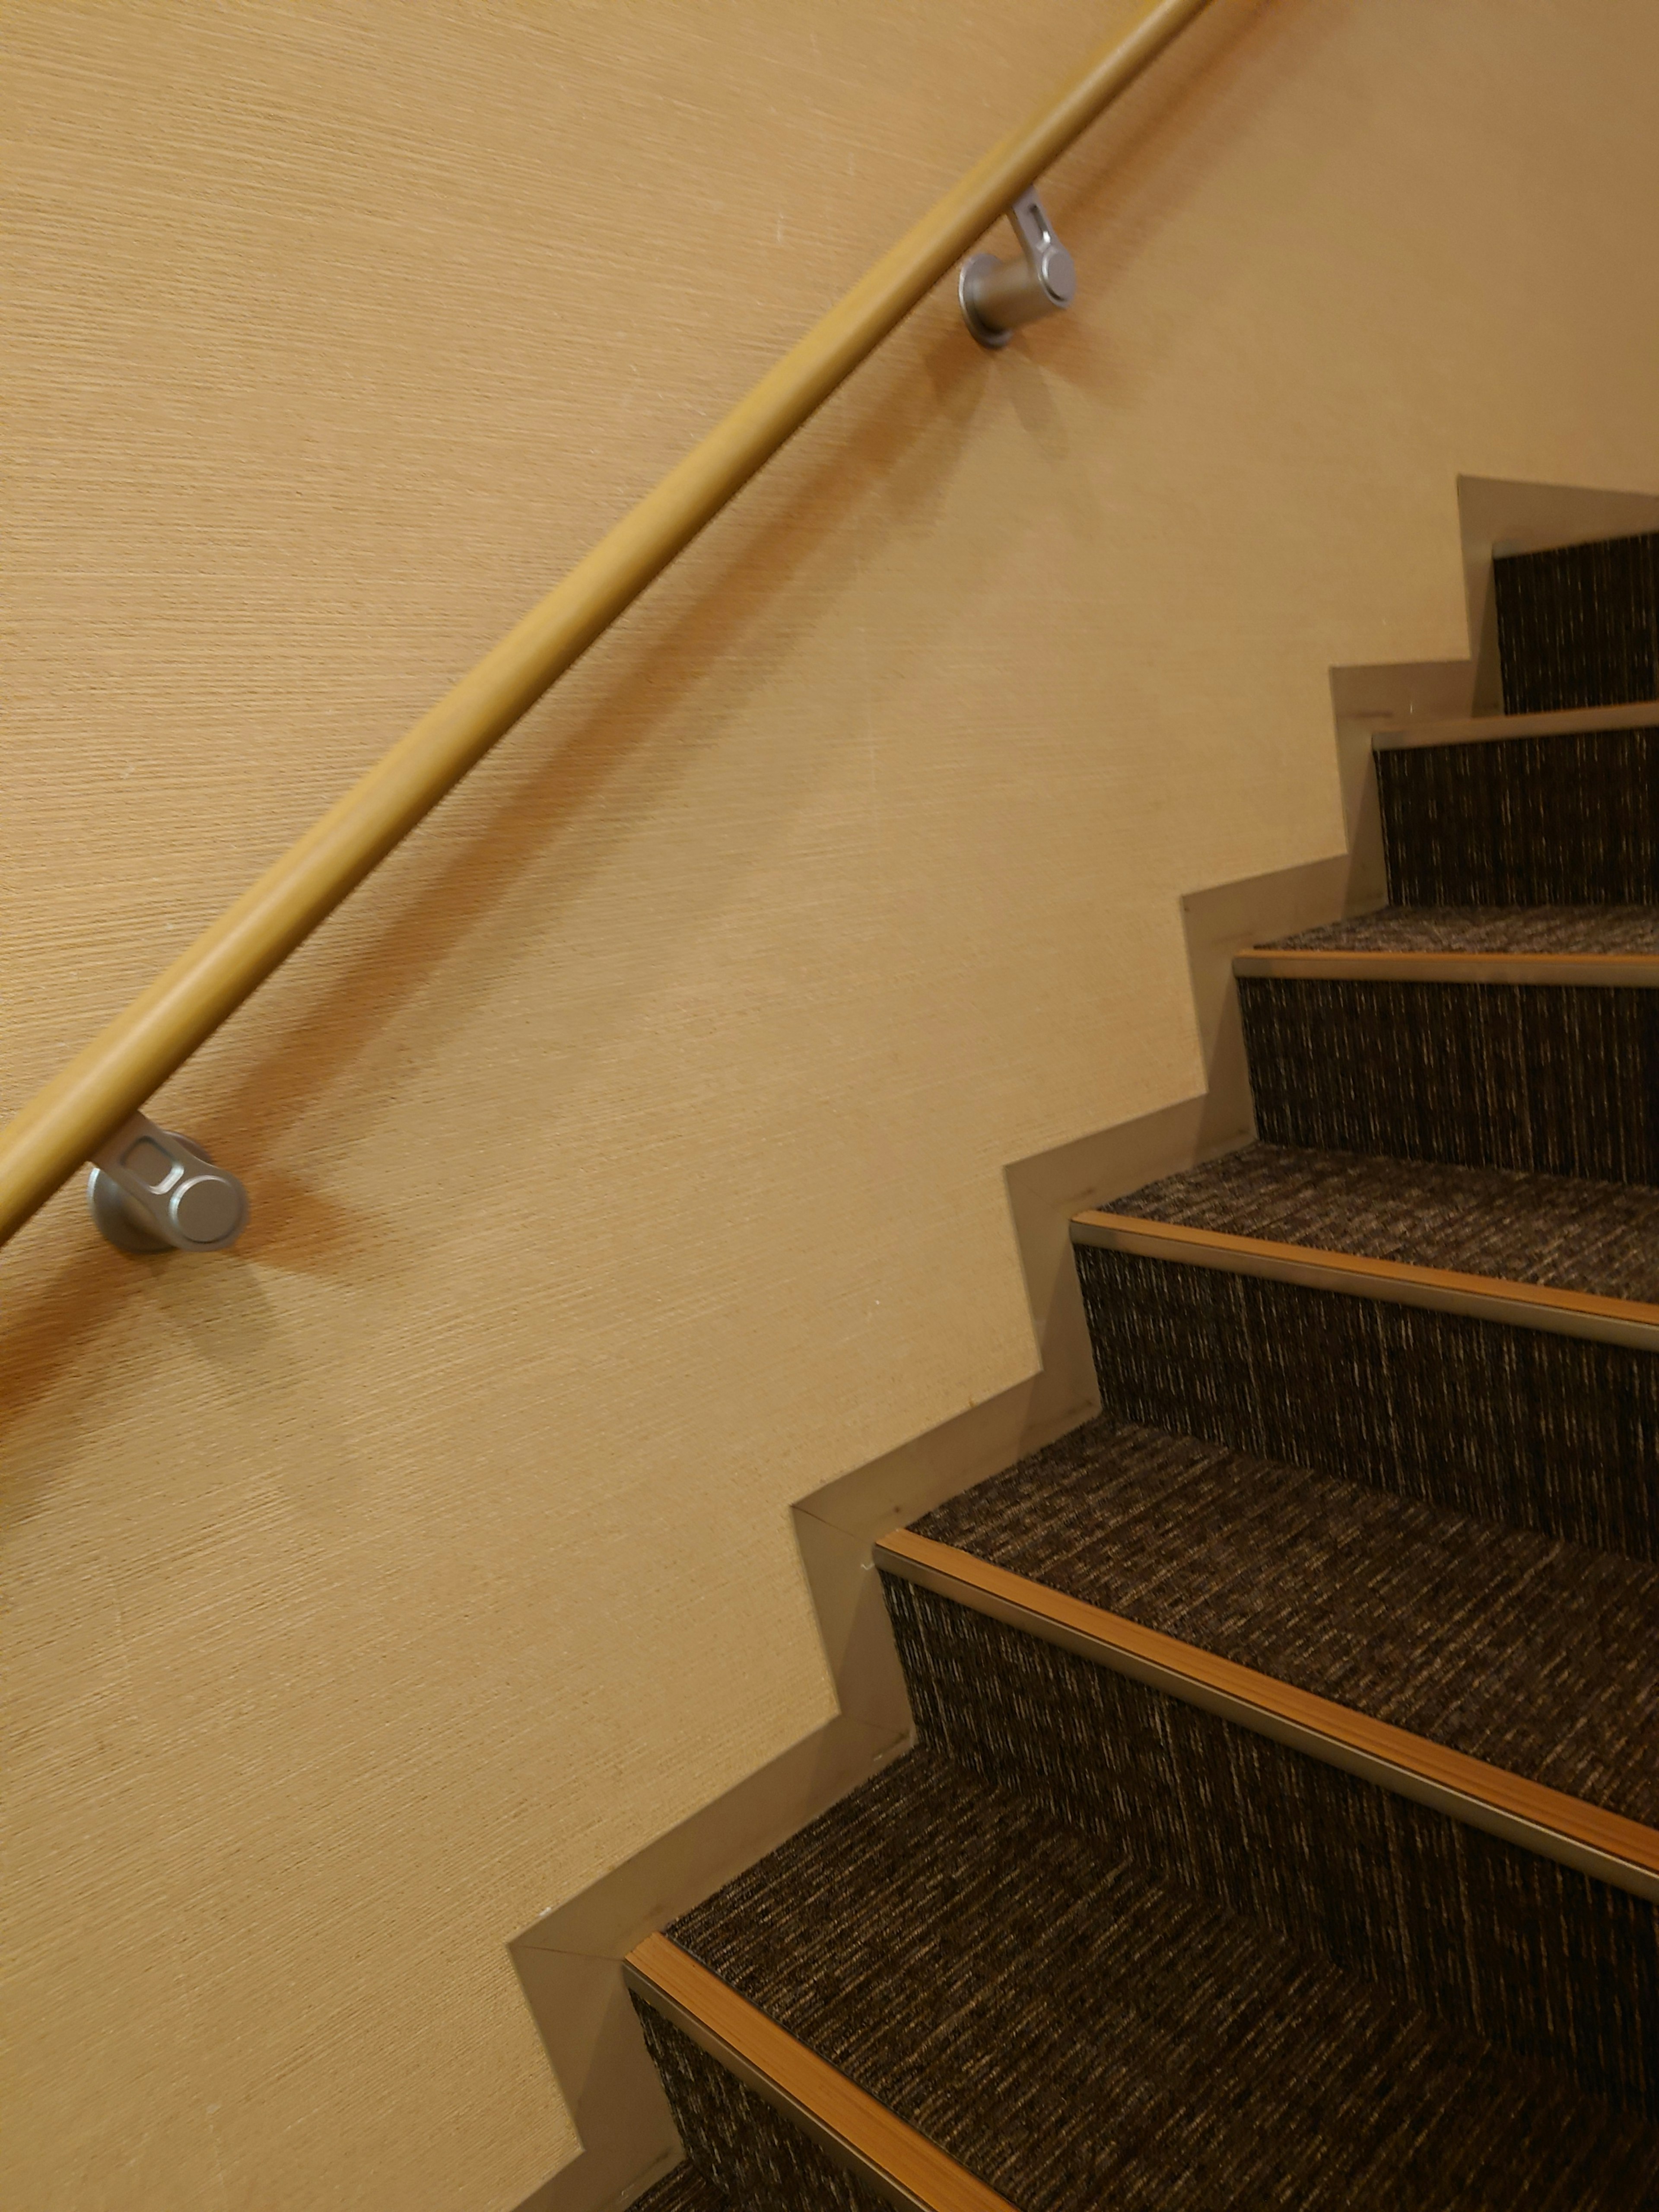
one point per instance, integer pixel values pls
(626, 1156)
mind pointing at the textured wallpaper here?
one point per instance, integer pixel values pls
(626, 1157)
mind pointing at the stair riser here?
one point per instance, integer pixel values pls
(1578, 626)
(1475, 1931)
(753, 2155)
(1541, 1078)
(1553, 821)
(1556, 1434)
(684, 2189)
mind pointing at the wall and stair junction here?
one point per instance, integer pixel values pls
(1377, 1449)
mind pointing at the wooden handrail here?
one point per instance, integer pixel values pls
(111, 1078)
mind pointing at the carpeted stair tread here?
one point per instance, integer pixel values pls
(1588, 930)
(1538, 1656)
(1105, 1944)
(684, 2189)
(1564, 1231)
(1077, 2033)
(1510, 1423)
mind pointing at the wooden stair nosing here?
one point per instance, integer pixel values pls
(1586, 1314)
(1552, 722)
(1608, 1845)
(1578, 971)
(855, 2127)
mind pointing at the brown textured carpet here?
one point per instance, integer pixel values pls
(683, 2190)
(1547, 1078)
(1578, 625)
(1080, 2034)
(1520, 1426)
(1482, 1935)
(1556, 821)
(1533, 1654)
(1563, 1230)
(761, 2160)
(1110, 1949)
(1588, 929)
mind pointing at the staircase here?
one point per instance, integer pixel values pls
(1283, 1824)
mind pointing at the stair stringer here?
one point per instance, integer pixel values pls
(569, 1960)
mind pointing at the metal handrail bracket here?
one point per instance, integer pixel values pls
(997, 296)
(152, 1190)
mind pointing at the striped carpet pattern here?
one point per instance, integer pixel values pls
(747, 2155)
(1486, 929)
(1535, 1656)
(1466, 1928)
(1559, 1231)
(1540, 1079)
(1107, 1948)
(1080, 2033)
(1554, 1434)
(686, 2190)
(1579, 626)
(1562, 821)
